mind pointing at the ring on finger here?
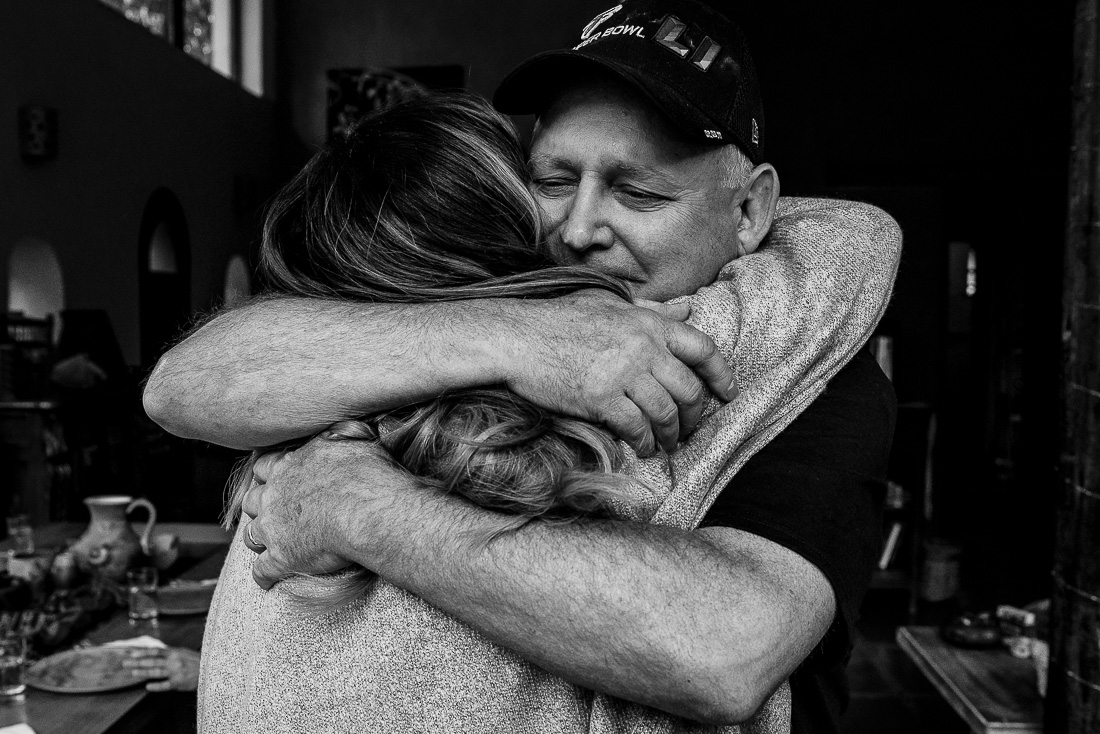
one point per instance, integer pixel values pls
(251, 539)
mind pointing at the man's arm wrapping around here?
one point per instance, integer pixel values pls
(704, 624)
(283, 368)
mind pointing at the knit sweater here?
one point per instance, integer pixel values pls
(786, 318)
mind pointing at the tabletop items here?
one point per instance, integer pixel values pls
(1023, 631)
(50, 596)
(58, 617)
(182, 599)
(992, 690)
(109, 546)
(89, 670)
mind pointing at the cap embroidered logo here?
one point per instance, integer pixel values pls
(668, 35)
(598, 20)
(698, 71)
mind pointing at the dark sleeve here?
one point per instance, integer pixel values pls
(817, 488)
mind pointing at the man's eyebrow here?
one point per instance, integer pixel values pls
(547, 161)
(647, 174)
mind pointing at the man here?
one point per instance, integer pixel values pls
(705, 624)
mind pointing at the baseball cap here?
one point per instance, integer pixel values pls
(688, 59)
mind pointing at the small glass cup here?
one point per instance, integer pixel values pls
(20, 535)
(141, 584)
(13, 658)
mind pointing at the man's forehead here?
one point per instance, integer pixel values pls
(602, 91)
(615, 121)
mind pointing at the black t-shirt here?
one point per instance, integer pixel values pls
(817, 488)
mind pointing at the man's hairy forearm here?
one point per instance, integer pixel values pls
(700, 624)
(283, 368)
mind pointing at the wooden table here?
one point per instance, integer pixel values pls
(990, 689)
(57, 713)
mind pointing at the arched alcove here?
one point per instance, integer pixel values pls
(162, 251)
(164, 274)
(35, 284)
(238, 284)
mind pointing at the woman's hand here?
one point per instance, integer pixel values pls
(166, 668)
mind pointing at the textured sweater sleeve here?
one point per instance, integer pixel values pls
(814, 291)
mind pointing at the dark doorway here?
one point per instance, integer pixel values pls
(164, 275)
(164, 294)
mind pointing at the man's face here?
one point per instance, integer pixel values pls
(624, 194)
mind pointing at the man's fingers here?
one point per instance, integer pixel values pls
(698, 351)
(660, 409)
(143, 663)
(159, 686)
(265, 571)
(626, 420)
(250, 505)
(670, 311)
(267, 464)
(252, 538)
(686, 389)
(137, 654)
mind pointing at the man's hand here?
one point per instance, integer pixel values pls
(166, 668)
(701, 624)
(636, 368)
(307, 505)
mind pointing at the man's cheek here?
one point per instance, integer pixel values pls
(561, 254)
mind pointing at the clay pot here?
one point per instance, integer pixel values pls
(109, 546)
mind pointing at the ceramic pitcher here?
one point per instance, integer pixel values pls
(109, 546)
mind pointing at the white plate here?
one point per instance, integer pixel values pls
(92, 670)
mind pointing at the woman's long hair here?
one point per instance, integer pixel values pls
(427, 201)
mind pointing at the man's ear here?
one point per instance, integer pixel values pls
(757, 208)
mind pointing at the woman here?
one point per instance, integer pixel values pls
(427, 201)
(354, 225)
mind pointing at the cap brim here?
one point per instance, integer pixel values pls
(531, 87)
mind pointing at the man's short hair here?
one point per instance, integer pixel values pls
(735, 166)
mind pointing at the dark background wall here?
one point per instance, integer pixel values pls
(134, 115)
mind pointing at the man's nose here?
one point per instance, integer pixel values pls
(586, 225)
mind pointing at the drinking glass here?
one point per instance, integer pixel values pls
(13, 656)
(141, 584)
